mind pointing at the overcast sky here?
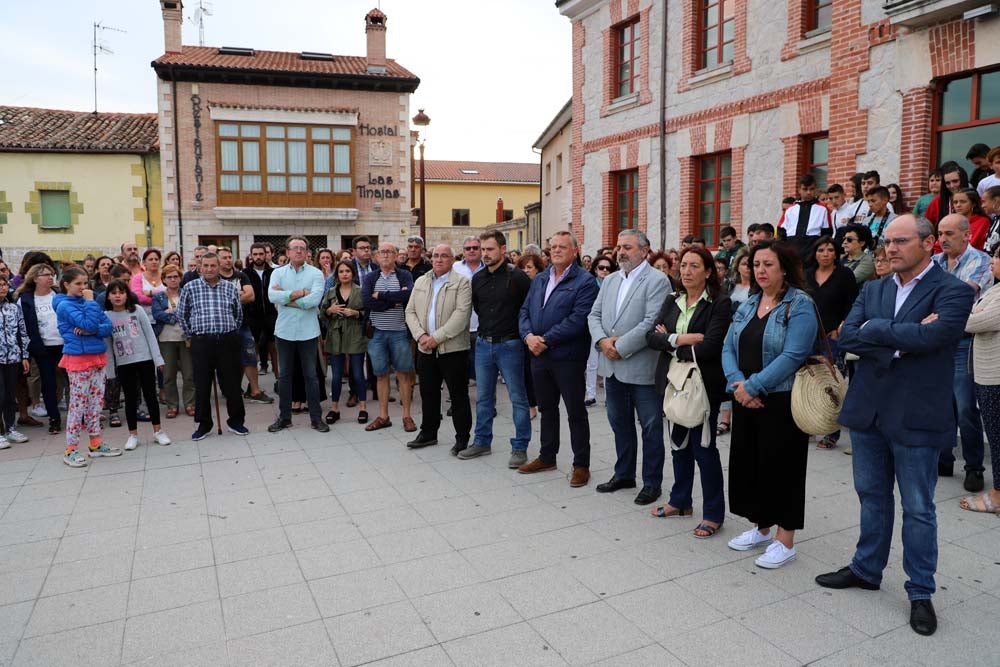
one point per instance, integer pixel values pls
(492, 74)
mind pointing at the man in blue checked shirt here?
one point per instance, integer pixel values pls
(210, 314)
(971, 266)
(296, 290)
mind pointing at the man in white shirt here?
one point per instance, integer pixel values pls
(471, 264)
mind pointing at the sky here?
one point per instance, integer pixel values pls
(493, 74)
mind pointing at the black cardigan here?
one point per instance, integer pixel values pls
(711, 319)
(835, 297)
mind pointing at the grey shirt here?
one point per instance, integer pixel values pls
(132, 340)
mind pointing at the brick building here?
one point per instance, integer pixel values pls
(256, 145)
(713, 125)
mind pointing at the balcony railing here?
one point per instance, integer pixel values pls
(917, 13)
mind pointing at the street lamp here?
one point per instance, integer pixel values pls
(422, 120)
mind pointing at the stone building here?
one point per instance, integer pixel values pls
(557, 182)
(257, 145)
(713, 125)
(75, 183)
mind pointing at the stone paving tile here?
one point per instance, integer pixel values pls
(512, 645)
(305, 645)
(546, 591)
(724, 643)
(256, 574)
(110, 568)
(167, 591)
(590, 633)
(77, 609)
(149, 636)
(816, 634)
(271, 609)
(354, 591)
(97, 646)
(465, 611)
(379, 632)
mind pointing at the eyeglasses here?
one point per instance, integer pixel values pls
(441, 255)
(363, 247)
(603, 267)
(850, 239)
(387, 252)
(901, 241)
(470, 248)
(298, 248)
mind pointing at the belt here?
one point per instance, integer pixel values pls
(498, 339)
(215, 336)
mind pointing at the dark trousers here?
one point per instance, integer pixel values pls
(265, 338)
(48, 366)
(552, 380)
(529, 381)
(307, 352)
(8, 395)
(140, 376)
(691, 445)
(211, 354)
(625, 402)
(453, 370)
(355, 377)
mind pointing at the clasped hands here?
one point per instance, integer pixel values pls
(536, 344)
(745, 399)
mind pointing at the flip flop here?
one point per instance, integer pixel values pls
(662, 513)
(711, 530)
(987, 505)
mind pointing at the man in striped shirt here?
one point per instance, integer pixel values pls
(385, 294)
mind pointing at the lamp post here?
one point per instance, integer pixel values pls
(422, 120)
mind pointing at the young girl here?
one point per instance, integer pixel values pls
(136, 355)
(13, 360)
(83, 327)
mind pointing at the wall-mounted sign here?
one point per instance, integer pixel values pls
(377, 131)
(376, 188)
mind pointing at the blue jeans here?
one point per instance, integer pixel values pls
(970, 421)
(624, 402)
(507, 358)
(356, 365)
(706, 454)
(307, 351)
(879, 463)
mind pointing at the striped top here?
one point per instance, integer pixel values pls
(393, 319)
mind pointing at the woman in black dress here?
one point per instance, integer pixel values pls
(691, 327)
(834, 288)
(772, 334)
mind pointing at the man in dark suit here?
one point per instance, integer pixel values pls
(905, 329)
(553, 324)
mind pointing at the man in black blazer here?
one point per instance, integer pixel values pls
(905, 329)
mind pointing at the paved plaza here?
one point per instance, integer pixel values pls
(346, 548)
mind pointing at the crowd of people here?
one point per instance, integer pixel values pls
(897, 299)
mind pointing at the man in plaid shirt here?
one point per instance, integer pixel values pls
(972, 266)
(210, 314)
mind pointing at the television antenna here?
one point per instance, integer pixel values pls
(198, 18)
(102, 49)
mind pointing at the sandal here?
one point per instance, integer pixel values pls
(114, 421)
(705, 528)
(172, 413)
(826, 443)
(663, 513)
(363, 417)
(189, 410)
(379, 423)
(723, 428)
(409, 425)
(986, 506)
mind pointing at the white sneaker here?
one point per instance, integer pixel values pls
(38, 411)
(161, 438)
(776, 555)
(131, 443)
(749, 540)
(3, 443)
(16, 436)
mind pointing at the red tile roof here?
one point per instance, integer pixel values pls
(488, 172)
(279, 107)
(53, 130)
(208, 57)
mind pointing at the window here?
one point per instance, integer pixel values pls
(459, 217)
(627, 58)
(714, 183)
(626, 194)
(55, 209)
(508, 214)
(968, 112)
(559, 171)
(548, 177)
(819, 14)
(814, 155)
(717, 31)
(284, 165)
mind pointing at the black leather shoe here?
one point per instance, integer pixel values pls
(613, 485)
(321, 427)
(279, 424)
(946, 469)
(648, 495)
(422, 440)
(845, 578)
(973, 481)
(923, 620)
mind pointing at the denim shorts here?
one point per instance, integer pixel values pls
(388, 350)
(248, 347)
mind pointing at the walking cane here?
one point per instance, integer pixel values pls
(218, 419)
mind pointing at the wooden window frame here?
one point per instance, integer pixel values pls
(284, 199)
(700, 49)
(457, 212)
(937, 107)
(808, 165)
(632, 192)
(632, 81)
(716, 203)
(812, 15)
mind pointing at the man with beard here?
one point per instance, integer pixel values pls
(259, 313)
(415, 263)
(130, 257)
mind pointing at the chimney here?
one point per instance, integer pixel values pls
(375, 22)
(500, 209)
(173, 19)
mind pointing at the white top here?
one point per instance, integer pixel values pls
(436, 284)
(468, 272)
(987, 182)
(48, 323)
(903, 291)
(627, 281)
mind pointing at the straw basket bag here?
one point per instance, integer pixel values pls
(818, 391)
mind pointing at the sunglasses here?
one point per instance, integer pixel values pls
(603, 267)
(470, 248)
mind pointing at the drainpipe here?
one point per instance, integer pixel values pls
(541, 202)
(177, 168)
(149, 212)
(663, 131)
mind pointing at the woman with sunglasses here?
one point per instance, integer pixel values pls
(856, 240)
(601, 267)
